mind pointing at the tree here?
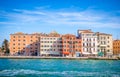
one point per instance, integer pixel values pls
(5, 47)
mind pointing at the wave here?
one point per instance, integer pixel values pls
(15, 72)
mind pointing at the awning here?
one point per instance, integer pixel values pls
(100, 53)
(94, 53)
(66, 53)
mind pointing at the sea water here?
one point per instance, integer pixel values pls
(59, 68)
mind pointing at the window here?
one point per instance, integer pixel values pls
(104, 38)
(87, 39)
(93, 44)
(13, 36)
(83, 44)
(18, 36)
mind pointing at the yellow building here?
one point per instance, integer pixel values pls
(105, 44)
(116, 47)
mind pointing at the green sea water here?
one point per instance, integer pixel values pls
(59, 68)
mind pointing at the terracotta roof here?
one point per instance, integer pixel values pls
(86, 31)
(19, 33)
(66, 35)
(102, 33)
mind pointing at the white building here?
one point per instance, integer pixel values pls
(51, 44)
(105, 44)
(89, 42)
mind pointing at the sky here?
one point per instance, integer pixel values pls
(63, 16)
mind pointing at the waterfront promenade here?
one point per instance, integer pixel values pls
(41, 57)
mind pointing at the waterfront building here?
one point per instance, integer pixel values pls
(51, 44)
(41, 44)
(116, 47)
(105, 44)
(24, 44)
(71, 45)
(89, 42)
(36, 44)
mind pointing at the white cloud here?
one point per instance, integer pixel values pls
(80, 18)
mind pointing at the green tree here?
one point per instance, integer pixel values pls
(5, 47)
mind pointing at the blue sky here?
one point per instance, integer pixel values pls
(64, 16)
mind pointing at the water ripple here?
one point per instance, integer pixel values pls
(16, 72)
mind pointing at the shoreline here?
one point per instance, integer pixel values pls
(74, 58)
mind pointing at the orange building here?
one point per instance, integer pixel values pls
(24, 44)
(71, 45)
(35, 44)
(41, 44)
(116, 47)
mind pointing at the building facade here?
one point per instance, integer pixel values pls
(41, 44)
(51, 44)
(116, 47)
(105, 44)
(71, 45)
(89, 42)
(24, 44)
